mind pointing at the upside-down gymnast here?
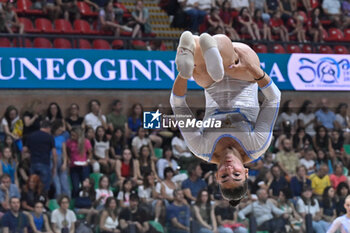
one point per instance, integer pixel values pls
(230, 74)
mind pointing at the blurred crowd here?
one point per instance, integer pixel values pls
(80, 173)
(272, 20)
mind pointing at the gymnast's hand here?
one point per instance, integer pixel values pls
(247, 64)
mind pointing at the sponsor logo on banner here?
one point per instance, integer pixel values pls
(319, 72)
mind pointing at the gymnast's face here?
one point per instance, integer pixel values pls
(231, 171)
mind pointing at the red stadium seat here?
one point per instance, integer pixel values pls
(325, 35)
(64, 26)
(347, 35)
(60, 43)
(325, 49)
(117, 44)
(85, 9)
(340, 49)
(101, 44)
(121, 6)
(4, 42)
(260, 48)
(307, 48)
(82, 44)
(84, 27)
(42, 43)
(28, 25)
(293, 48)
(44, 25)
(25, 6)
(138, 44)
(334, 34)
(26, 44)
(277, 48)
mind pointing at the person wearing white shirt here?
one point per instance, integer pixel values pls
(307, 118)
(63, 219)
(95, 118)
(342, 223)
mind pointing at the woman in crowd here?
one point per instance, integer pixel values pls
(338, 176)
(109, 222)
(74, 120)
(8, 165)
(315, 27)
(11, 124)
(342, 192)
(24, 167)
(145, 164)
(323, 158)
(54, 113)
(166, 161)
(117, 144)
(295, 24)
(226, 17)
(277, 26)
(205, 214)
(10, 143)
(63, 219)
(309, 205)
(337, 140)
(84, 202)
(149, 196)
(308, 161)
(126, 168)
(167, 186)
(90, 135)
(60, 179)
(101, 151)
(306, 117)
(295, 221)
(80, 155)
(32, 193)
(141, 139)
(322, 141)
(247, 24)
(301, 140)
(124, 194)
(287, 114)
(299, 181)
(32, 118)
(135, 118)
(140, 22)
(103, 192)
(264, 29)
(328, 205)
(38, 221)
(342, 117)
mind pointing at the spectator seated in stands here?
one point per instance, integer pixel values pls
(7, 191)
(341, 117)
(135, 118)
(332, 8)
(338, 176)
(259, 5)
(287, 158)
(32, 193)
(295, 25)
(277, 26)
(63, 219)
(133, 218)
(306, 117)
(14, 220)
(227, 19)
(194, 183)
(126, 168)
(301, 140)
(320, 180)
(178, 214)
(103, 192)
(323, 158)
(287, 114)
(38, 220)
(109, 222)
(263, 211)
(116, 119)
(140, 22)
(325, 116)
(322, 141)
(167, 186)
(299, 181)
(263, 27)
(337, 140)
(196, 15)
(308, 161)
(309, 205)
(328, 205)
(315, 27)
(11, 123)
(124, 194)
(287, 7)
(342, 192)
(74, 120)
(226, 216)
(247, 24)
(181, 151)
(8, 165)
(95, 118)
(141, 139)
(9, 19)
(101, 151)
(278, 183)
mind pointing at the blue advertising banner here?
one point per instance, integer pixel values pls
(124, 69)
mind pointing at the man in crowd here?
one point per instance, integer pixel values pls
(95, 118)
(14, 221)
(116, 119)
(7, 191)
(287, 159)
(320, 180)
(325, 116)
(194, 183)
(178, 214)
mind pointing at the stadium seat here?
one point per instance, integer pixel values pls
(138, 44)
(334, 34)
(307, 48)
(85, 9)
(82, 44)
(117, 44)
(96, 177)
(293, 48)
(101, 44)
(26, 44)
(325, 49)
(42, 43)
(53, 204)
(347, 35)
(277, 48)
(28, 25)
(25, 7)
(4, 42)
(61, 43)
(44, 25)
(83, 27)
(260, 48)
(64, 26)
(121, 6)
(340, 49)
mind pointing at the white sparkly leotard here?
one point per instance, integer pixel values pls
(235, 103)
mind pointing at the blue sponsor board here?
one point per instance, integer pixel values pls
(112, 69)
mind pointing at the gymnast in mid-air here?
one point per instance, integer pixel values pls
(230, 74)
